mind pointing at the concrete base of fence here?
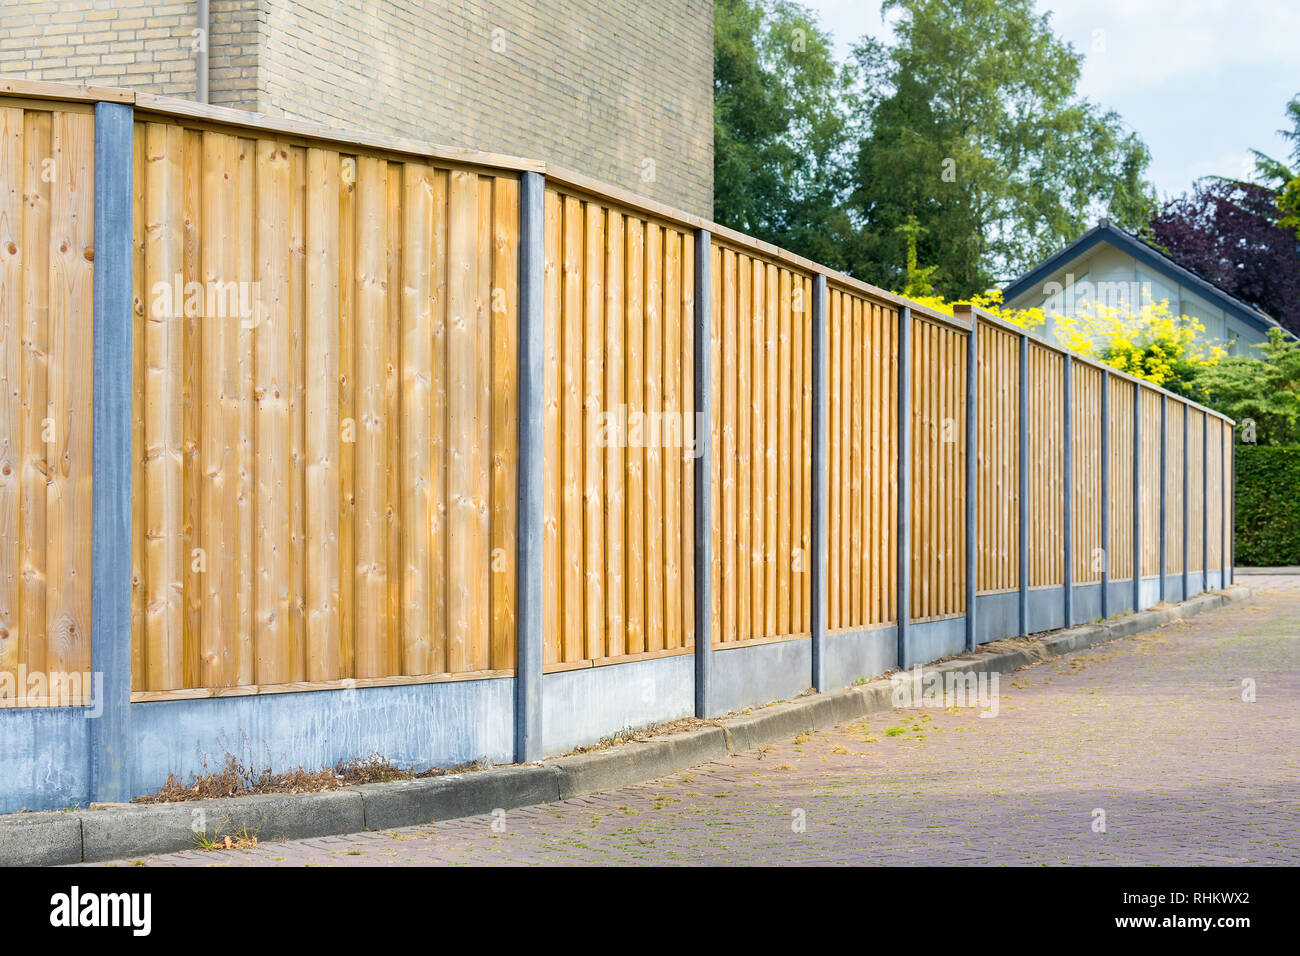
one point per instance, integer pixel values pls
(1046, 609)
(581, 707)
(996, 616)
(1085, 604)
(1120, 597)
(931, 640)
(124, 832)
(749, 676)
(853, 655)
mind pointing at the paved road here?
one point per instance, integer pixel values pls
(1152, 730)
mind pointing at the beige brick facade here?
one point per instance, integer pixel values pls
(618, 89)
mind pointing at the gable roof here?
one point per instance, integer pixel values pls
(1107, 232)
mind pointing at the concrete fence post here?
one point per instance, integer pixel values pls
(532, 357)
(904, 554)
(972, 479)
(1187, 467)
(1164, 504)
(110, 629)
(818, 543)
(1105, 493)
(1023, 504)
(702, 354)
(1223, 509)
(1137, 496)
(1205, 501)
(1067, 486)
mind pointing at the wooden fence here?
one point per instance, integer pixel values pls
(326, 486)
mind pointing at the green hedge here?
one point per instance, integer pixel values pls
(1268, 505)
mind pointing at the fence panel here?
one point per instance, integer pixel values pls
(1150, 488)
(762, 433)
(1214, 462)
(1085, 452)
(1229, 498)
(1120, 554)
(998, 520)
(1046, 467)
(938, 469)
(326, 423)
(1176, 461)
(1196, 421)
(619, 490)
(862, 515)
(47, 215)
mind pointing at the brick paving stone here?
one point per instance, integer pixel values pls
(1152, 730)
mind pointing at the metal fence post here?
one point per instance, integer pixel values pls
(904, 555)
(1067, 485)
(702, 355)
(1223, 509)
(818, 541)
(972, 479)
(1023, 544)
(532, 358)
(1205, 501)
(1137, 496)
(1105, 493)
(1187, 467)
(110, 765)
(1164, 481)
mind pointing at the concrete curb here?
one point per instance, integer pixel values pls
(50, 839)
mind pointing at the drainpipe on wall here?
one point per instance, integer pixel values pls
(201, 55)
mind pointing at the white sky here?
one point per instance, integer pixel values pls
(1202, 81)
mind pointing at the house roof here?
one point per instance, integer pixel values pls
(1107, 232)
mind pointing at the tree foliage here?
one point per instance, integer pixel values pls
(974, 129)
(1228, 232)
(1262, 392)
(783, 120)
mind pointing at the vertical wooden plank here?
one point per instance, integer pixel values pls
(296, 388)
(571, 580)
(416, 424)
(162, 409)
(730, 448)
(68, 492)
(439, 569)
(349, 319)
(466, 535)
(757, 444)
(140, 305)
(11, 390)
(615, 450)
(243, 420)
(715, 437)
(505, 417)
(795, 558)
(321, 417)
(192, 396)
(481, 446)
(554, 457)
(670, 438)
(835, 558)
(654, 474)
(805, 527)
(392, 433)
(635, 569)
(783, 400)
(593, 464)
(858, 502)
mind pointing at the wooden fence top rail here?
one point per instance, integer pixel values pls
(174, 107)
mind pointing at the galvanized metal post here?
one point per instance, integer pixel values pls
(532, 357)
(1223, 506)
(702, 354)
(1067, 467)
(904, 553)
(1137, 496)
(972, 478)
(818, 558)
(110, 571)
(1205, 501)
(1187, 467)
(1105, 493)
(1023, 503)
(1164, 480)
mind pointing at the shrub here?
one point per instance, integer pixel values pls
(1267, 513)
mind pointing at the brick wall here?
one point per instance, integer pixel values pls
(618, 89)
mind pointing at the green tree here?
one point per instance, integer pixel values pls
(782, 129)
(1281, 178)
(975, 128)
(1261, 391)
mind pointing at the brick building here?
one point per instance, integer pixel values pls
(619, 91)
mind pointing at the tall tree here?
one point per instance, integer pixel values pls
(976, 130)
(1228, 233)
(1284, 179)
(782, 129)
